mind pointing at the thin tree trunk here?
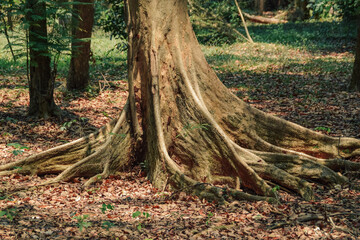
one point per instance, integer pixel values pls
(8, 39)
(260, 6)
(301, 9)
(83, 20)
(41, 85)
(243, 20)
(355, 78)
(10, 20)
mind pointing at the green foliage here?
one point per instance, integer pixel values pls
(67, 125)
(144, 215)
(4, 196)
(105, 207)
(276, 188)
(91, 90)
(207, 18)
(113, 21)
(81, 221)
(347, 151)
(58, 16)
(347, 9)
(107, 225)
(209, 215)
(306, 35)
(122, 135)
(19, 148)
(324, 129)
(9, 213)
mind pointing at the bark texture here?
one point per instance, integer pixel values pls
(83, 21)
(41, 85)
(191, 132)
(300, 11)
(355, 78)
(260, 6)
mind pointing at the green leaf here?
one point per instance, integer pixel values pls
(276, 188)
(106, 225)
(18, 152)
(139, 227)
(103, 208)
(136, 214)
(15, 145)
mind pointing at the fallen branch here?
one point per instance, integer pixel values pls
(265, 20)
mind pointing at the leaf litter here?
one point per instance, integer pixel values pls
(106, 209)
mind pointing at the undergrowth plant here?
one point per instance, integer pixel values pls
(106, 224)
(9, 213)
(19, 148)
(209, 216)
(142, 216)
(82, 221)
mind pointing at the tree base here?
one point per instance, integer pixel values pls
(194, 133)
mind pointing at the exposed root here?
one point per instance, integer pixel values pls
(247, 174)
(240, 145)
(57, 159)
(302, 167)
(203, 190)
(284, 179)
(98, 177)
(88, 156)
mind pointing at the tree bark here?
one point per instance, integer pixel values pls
(355, 78)
(10, 20)
(301, 10)
(41, 85)
(190, 131)
(260, 6)
(83, 20)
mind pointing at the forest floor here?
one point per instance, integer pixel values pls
(300, 84)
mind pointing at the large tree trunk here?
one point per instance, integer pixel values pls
(189, 129)
(83, 21)
(41, 85)
(355, 78)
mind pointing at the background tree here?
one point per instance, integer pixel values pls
(189, 129)
(41, 84)
(83, 20)
(301, 10)
(5, 10)
(260, 6)
(355, 78)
